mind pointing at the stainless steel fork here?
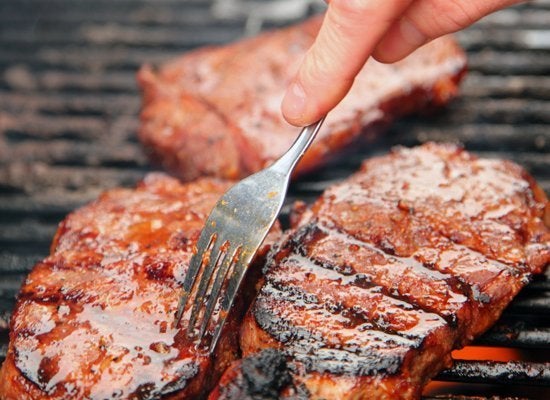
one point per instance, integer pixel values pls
(231, 236)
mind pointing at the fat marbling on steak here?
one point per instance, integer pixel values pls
(216, 110)
(389, 271)
(95, 319)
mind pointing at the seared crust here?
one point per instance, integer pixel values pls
(262, 376)
(95, 319)
(216, 111)
(408, 259)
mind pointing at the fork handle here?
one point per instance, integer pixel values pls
(286, 163)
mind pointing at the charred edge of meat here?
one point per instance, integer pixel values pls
(310, 348)
(263, 376)
(266, 374)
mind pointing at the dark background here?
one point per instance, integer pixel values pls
(69, 104)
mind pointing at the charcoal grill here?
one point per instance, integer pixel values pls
(68, 118)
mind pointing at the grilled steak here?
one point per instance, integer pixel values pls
(215, 111)
(390, 270)
(95, 319)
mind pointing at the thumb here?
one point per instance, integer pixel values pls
(349, 33)
(425, 20)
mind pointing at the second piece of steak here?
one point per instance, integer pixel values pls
(95, 319)
(392, 269)
(216, 111)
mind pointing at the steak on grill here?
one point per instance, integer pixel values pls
(216, 111)
(95, 319)
(389, 271)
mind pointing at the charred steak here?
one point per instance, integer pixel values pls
(95, 319)
(413, 256)
(216, 111)
(262, 376)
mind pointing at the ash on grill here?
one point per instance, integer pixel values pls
(68, 120)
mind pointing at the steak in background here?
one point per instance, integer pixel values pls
(216, 111)
(95, 319)
(389, 271)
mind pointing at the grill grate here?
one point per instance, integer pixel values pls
(68, 117)
(510, 373)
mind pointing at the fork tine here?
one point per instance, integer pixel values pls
(204, 242)
(215, 254)
(227, 301)
(256, 199)
(218, 283)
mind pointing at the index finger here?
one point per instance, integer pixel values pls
(349, 33)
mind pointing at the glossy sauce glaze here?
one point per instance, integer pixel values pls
(96, 318)
(393, 268)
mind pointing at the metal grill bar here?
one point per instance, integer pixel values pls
(517, 335)
(451, 397)
(491, 372)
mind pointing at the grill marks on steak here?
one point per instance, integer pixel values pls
(411, 257)
(226, 101)
(96, 318)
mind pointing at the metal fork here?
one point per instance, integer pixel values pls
(231, 236)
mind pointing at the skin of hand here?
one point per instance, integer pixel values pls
(354, 30)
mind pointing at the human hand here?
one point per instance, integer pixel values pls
(354, 30)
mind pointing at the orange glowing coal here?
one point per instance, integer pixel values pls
(480, 353)
(487, 353)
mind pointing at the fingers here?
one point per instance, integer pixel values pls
(349, 34)
(353, 29)
(425, 20)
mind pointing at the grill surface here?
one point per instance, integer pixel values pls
(68, 118)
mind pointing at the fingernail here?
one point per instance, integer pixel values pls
(294, 102)
(411, 33)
